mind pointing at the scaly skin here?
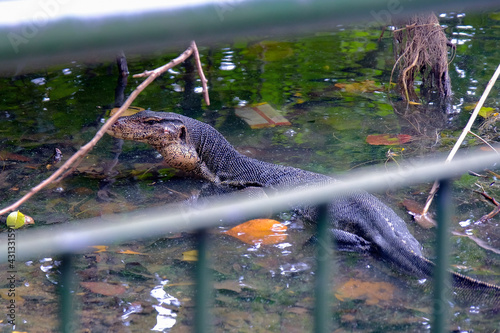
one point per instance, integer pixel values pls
(358, 219)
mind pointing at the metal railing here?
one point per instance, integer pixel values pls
(35, 43)
(47, 36)
(67, 239)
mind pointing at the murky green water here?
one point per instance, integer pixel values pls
(257, 288)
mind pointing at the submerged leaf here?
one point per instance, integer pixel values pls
(387, 139)
(259, 231)
(190, 255)
(372, 292)
(130, 252)
(100, 248)
(232, 285)
(104, 288)
(7, 156)
(359, 87)
(415, 209)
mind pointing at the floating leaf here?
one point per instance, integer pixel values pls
(485, 112)
(104, 288)
(359, 87)
(372, 292)
(259, 231)
(190, 255)
(15, 220)
(387, 139)
(130, 111)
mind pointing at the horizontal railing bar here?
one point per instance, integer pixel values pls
(75, 236)
(47, 38)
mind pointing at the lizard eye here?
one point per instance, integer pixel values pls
(183, 134)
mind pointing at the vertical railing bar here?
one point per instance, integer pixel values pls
(66, 286)
(322, 309)
(441, 273)
(202, 322)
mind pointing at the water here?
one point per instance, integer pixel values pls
(257, 289)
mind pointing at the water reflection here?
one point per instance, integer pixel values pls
(166, 317)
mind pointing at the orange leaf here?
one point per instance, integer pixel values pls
(100, 248)
(259, 231)
(387, 139)
(104, 288)
(130, 252)
(371, 292)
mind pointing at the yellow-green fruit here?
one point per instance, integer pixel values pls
(15, 220)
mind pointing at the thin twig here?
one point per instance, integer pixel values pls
(466, 130)
(484, 141)
(74, 160)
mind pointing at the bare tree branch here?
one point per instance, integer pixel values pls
(466, 130)
(74, 160)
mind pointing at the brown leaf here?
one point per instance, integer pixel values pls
(415, 209)
(7, 156)
(130, 111)
(372, 292)
(104, 288)
(233, 285)
(387, 139)
(259, 231)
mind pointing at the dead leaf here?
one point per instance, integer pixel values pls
(372, 292)
(415, 209)
(190, 255)
(387, 139)
(104, 288)
(7, 156)
(7, 295)
(232, 285)
(259, 231)
(130, 111)
(100, 248)
(131, 252)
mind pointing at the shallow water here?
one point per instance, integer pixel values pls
(267, 288)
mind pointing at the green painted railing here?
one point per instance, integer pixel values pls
(66, 239)
(46, 38)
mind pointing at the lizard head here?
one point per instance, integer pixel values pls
(164, 131)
